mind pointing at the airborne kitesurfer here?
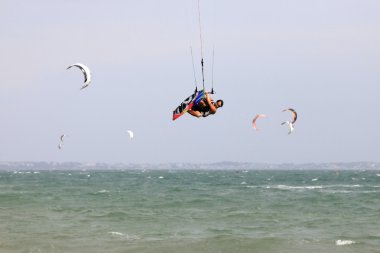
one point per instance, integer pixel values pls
(205, 107)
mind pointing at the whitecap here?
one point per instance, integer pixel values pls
(344, 242)
(103, 191)
(338, 191)
(124, 236)
(314, 179)
(116, 233)
(378, 175)
(311, 187)
(160, 177)
(243, 183)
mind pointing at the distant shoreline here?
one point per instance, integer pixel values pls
(238, 166)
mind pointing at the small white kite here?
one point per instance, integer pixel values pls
(86, 72)
(130, 134)
(60, 145)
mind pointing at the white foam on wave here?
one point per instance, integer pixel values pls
(21, 172)
(103, 191)
(116, 233)
(344, 185)
(344, 242)
(252, 186)
(337, 191)
(378, 175)
(309, 187)
(313, 187)
(314, 179)
(124, 236)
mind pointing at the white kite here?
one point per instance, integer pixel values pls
(60, 145)
(258, 116)
(86, 72)
(130, 134)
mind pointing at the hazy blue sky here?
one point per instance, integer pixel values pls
(320, 57)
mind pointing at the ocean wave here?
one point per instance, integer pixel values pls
(312, 187)
(103, 191)
(116, 233)
(124, 236)
(253, 186)
(288, 187)
(344, 242)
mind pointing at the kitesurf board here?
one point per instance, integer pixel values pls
(188, 103)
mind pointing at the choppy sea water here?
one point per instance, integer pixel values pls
(189, 211)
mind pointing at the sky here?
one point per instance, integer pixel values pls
(321, 58)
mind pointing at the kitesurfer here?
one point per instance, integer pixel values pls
(205, 107)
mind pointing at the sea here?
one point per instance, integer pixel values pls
(190, 211)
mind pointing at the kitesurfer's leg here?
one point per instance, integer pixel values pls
(195, 113)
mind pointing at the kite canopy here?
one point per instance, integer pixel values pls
(258, 116)
(294, 113)
(130, 134)
(86, 72)
(61, 138)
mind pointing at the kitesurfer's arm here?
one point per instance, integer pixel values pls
(211, 104)
(195, 113)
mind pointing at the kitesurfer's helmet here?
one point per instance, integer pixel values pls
(219, 103)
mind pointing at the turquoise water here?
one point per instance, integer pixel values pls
(189, 211)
